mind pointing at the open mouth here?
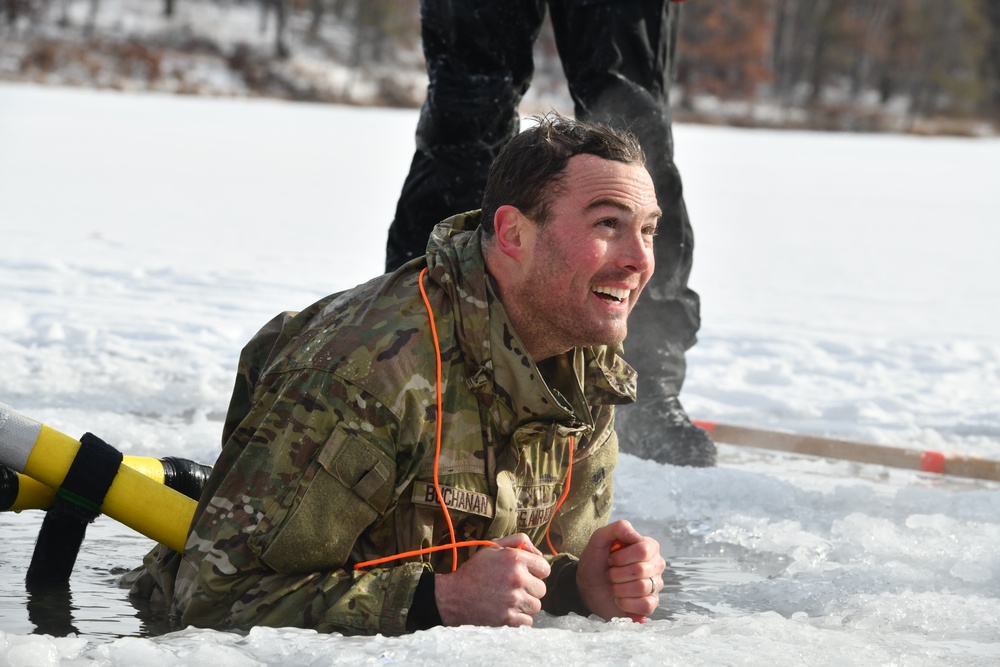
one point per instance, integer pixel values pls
(611, 294)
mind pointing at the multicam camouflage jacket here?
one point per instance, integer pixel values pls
(329, 449)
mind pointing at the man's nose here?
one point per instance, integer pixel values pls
(637, 252)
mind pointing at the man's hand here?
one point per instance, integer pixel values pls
(501, 585)
(621, 581)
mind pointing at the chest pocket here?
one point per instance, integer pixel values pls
(534, 466)
(347, 488)
(588, 506)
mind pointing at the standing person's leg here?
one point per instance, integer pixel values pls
(618, 60)
(479, 65)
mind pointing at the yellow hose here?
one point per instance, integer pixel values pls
(141, 503)
(33, 495)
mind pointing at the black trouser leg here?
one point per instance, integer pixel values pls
(618, 57)
(479, 65)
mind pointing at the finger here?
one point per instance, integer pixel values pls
(641, 570)
(642, 606)
(623, 532)
(645, 551)
(639, 607)
(529, 558)
(518, 541)
(530, 548)
(522, 609)
(535, 587)
(613, 537)
(638, 588)
(537, 566)
(518, 619)
(532, 604)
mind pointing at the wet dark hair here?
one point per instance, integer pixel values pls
(530, 169)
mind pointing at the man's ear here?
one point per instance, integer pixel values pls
(514, 232)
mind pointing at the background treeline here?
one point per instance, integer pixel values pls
(847, 60)
(899, 65)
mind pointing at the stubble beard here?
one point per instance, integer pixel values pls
(548, 326)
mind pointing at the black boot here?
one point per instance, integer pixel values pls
(659, 429)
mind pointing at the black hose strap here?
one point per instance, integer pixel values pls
(9, 487)
(89, 478)
(77, 503)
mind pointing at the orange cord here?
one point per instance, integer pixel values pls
(440, 415)
(569, 476)
(426, 550)
(454, 545)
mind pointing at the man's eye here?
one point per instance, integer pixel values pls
(609, 222)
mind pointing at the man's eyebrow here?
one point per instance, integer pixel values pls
(620, 205)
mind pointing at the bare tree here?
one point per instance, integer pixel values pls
(280, 8)
(724, 49)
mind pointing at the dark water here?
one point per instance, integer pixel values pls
(92, 605)
(95, 607)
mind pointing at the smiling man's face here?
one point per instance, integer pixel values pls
(585, 268)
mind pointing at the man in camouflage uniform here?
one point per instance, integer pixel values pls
(329, 456)
(618, 57)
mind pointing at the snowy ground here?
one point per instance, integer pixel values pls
(849, 288)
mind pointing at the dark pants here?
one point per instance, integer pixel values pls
(618, 58)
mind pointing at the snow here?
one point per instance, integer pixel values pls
(849, 289)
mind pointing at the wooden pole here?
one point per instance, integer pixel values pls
(896, 457)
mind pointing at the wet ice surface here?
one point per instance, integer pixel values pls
(826, 564)
(146, 238)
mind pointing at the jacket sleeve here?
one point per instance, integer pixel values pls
(310, 470)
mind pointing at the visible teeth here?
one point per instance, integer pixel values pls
(617, 293)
